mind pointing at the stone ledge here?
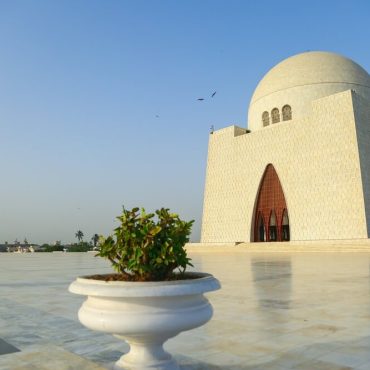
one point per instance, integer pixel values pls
(355, 245)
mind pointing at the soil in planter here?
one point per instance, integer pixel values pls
(121, 277)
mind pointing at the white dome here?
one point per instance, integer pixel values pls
(302, 78)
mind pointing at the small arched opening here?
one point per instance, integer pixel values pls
(287, 113)
(275, 115)
(265, 119)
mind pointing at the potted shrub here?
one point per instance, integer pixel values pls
(150, 297)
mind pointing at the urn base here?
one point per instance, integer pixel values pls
(146, 355)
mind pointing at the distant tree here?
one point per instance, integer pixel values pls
(51, 248)
(95, 239)
(81, 247)
(79, 235)
(6, 243)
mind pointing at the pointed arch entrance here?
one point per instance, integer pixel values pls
(271, 221)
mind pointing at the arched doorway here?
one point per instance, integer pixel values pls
(273, 227)
(271, 207)
(261, 229)
(285, 232)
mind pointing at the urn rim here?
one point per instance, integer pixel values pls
(100, 288)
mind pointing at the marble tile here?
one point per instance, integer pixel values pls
(45, 358)
(283, 311)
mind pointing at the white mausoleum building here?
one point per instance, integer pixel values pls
(302, 169)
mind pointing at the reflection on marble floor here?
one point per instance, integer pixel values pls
(275, 311)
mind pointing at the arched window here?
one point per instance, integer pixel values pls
(287, 113)
(265, 118)
(275, 115)
(272, 227)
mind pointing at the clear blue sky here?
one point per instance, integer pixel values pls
(81, 84)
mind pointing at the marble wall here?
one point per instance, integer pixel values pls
(317, 159)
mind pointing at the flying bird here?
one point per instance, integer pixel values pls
(200, 99)
(213, 94)
(156, 116)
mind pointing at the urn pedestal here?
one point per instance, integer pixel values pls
(145, 314)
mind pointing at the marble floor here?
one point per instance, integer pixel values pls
(279, 311)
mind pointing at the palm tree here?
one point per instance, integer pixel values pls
(95, 239)
(79, 235)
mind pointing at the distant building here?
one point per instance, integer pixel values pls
(19, 248)
(303, 172)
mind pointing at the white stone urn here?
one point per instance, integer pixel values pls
(145, 314)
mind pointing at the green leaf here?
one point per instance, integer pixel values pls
(145, 247)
